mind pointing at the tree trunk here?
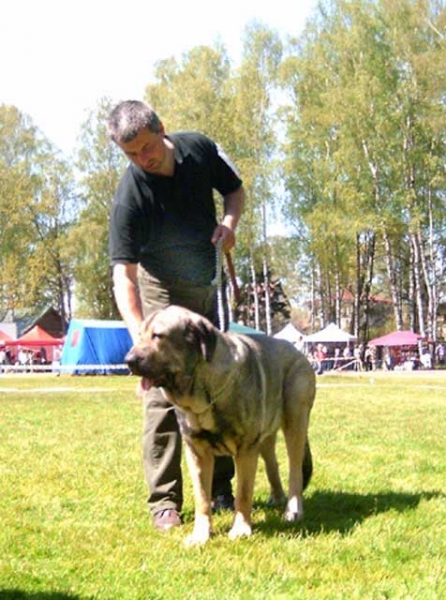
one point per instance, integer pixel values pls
(255, 295)
(394, 283)
(266, 284)
(358, 290)
(418, 282)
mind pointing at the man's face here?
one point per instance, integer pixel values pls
(147, 151)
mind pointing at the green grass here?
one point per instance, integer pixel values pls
(74, 523)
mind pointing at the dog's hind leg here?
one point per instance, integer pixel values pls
(307, 466)
(295, 431)
(298, 395)
(268, 453)
(245, 468)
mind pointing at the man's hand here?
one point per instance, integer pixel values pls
(233, 204)
(226, 235)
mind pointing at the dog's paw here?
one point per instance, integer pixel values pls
(293, 516)
(240, 530)
(294, 510)
(197, 538)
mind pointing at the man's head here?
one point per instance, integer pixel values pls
(136, 128)
(128, 118)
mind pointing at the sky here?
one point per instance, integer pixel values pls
(58, 58)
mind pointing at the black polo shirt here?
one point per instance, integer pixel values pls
(166, 223)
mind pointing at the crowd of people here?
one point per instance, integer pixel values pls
(328, 357)
(24, 359)
(360, 357)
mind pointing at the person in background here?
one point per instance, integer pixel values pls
(358, 352)
(2, 358)
(163, 233)
(320, 356)
(440, 353)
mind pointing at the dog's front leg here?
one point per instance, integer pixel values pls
(201, 468)
(245, 467)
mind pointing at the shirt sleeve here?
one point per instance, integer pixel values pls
(123, 235)
(225, 176)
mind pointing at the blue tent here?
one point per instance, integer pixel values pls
(95, 346)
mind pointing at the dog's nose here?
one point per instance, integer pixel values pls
(133, 359)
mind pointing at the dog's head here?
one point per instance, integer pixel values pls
(172, 342)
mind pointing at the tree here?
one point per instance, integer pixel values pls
(100, 164)
(193, 93)
(364, 147)
(254, 88)
(235, 109)
(36, 199)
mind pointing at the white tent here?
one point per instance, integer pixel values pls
(332, 333)
(289, 333)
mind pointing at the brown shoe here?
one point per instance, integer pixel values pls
(166, 518)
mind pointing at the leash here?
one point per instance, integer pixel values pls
(234, 283)
(218, 281)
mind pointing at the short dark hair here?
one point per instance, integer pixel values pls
(129, 117)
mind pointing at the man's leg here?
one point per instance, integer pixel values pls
(204, 302)
(222, 495)
(161, 436)
(162, 460)
(161, 439)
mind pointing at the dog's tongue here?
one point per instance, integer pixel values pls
(144, 386)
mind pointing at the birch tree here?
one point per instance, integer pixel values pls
(364, 86)
(36, 202)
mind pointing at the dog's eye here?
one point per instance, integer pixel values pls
(156, 335)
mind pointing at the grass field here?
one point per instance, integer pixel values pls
(74, 524)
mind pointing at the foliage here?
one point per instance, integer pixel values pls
(36, 210)
(343, 127)
(75, 522)
(365, 123)
(100, 164)
(232, 106)
(193, 92)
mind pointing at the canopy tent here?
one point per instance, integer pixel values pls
(39, 341)
(95, 346)
(4, 338)
(397, 338)
(9, 329)
(331, 334)
(289, 333)
(36, 337)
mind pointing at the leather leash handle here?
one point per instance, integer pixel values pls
(231, 271)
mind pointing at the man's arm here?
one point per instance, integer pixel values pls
(125, 289)
(233, 209)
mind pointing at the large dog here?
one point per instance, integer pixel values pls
(232, 393)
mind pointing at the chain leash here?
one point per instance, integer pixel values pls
(218, 281)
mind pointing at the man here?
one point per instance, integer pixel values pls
(163, 232)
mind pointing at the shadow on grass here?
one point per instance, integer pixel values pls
(328, 511)
(21, 595)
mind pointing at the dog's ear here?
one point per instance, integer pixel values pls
(205, 337)
(144, 327)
